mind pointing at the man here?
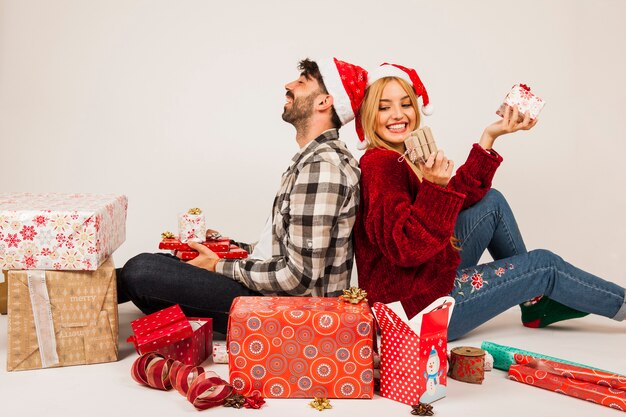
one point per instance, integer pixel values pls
(306, 247)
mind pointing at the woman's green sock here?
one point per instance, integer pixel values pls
(543, 312)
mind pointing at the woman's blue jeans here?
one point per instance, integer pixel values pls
(515, 276)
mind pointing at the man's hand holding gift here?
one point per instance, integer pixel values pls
(206, 258)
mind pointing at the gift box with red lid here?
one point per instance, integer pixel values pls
(216, 245)
(301, 347)
(234, 252)
(170, 333)
(47, 231)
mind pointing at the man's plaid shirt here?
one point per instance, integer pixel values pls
(312, 220)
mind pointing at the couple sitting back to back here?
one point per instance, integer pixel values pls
(418, 234)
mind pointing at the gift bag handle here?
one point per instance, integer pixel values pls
(387, 318)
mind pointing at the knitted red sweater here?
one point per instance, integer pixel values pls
(403, 228)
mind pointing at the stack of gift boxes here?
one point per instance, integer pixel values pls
(192, 228)
(58, 277)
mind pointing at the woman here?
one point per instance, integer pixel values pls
(421, 231)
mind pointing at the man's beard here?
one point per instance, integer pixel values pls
(300, 112)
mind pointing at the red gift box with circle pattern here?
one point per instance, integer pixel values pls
(301, 347)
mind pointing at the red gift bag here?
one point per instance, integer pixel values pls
(413, 365)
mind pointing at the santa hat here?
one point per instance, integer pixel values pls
(407, 74)
(346, 83)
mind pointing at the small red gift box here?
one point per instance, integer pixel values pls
(301, 347)
(173, 335)
(235, 252)
(544, 376)
(413, 359)
(218, 245)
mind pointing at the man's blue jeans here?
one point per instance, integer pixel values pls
(484, 291)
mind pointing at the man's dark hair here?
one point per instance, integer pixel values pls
(309, 69)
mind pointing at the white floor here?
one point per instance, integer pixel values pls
(108, 390)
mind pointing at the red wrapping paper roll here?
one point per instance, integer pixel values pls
(609, 397)
(577, 372)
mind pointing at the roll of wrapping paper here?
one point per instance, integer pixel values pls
(599, 394)
(504, 356)
(615, 381)
(467, 364)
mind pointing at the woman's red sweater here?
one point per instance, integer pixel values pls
(403, 228)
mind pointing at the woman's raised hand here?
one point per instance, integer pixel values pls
(437, 169)
(508, 124)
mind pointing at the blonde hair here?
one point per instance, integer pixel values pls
(369, 115)
(369, 119)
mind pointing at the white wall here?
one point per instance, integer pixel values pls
(177, 104)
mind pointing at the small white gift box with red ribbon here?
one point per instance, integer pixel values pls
(526, 101)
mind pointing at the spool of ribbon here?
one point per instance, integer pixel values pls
(204, 389)
(467, 364)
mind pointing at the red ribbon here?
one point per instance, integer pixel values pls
(202, 389)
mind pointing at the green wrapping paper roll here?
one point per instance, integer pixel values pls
(503, 356)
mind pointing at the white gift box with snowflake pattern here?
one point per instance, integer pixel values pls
(60, 231)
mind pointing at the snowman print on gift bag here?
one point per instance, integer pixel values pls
(434, 383)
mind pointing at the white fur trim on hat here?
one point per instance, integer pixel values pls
(334, 85)
(387, 71)
(428, 109)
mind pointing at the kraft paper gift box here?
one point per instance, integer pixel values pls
(413, 357)
(420, 144)
(301, 347)
(3, 293)
(60, 231)
(61, 318)
(526, 101)
(170, 333)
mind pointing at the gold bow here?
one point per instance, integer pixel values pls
(320, 404)
(167, 235)
(195, 211)
(354, 295)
